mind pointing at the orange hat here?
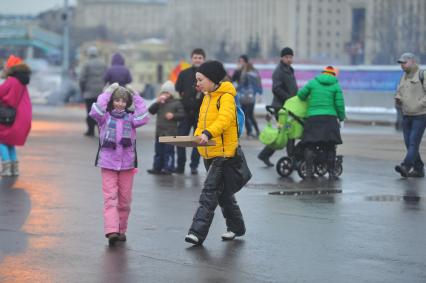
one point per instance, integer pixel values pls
(331, 70)
(13, 60)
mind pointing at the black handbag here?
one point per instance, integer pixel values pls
(236, 172)
(7, 115)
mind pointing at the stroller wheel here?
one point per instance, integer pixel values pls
(339, 169)
(284, 166)
(321, 169)
(301, 169)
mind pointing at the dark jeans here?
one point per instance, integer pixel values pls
(250, 121)
(89, 121)
(413, 129)
(213, 194)
(184, 129)
(164, 158)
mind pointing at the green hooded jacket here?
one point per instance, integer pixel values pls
(324, 97)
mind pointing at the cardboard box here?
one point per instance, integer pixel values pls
(184, 141)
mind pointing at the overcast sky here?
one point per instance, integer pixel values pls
(19, 7)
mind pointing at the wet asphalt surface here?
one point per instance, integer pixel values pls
(51, 223)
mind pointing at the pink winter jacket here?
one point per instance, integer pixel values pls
(121, 158)
(15, 94)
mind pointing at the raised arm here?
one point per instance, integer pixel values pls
(99, 107)
(140, 117)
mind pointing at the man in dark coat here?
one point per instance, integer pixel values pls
(284, 86)
(191, 100)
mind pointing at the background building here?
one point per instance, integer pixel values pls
(394, 27)
(320, 31)
(323, 31)
(229, 28)
(123, 19)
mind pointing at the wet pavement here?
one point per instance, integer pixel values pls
(51, 225)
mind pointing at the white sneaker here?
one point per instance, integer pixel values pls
(191, 238)
(228, 236)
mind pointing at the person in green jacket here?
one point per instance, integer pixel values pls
(326, 107)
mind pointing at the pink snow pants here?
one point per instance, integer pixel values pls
(117, 189)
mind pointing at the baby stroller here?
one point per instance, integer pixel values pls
(290, 126)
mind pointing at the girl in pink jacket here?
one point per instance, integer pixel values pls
(117, 154)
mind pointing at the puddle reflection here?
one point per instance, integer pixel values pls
(30, 227)
(412, 194)
(115, 264)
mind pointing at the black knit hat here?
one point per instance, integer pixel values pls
(287, 51)
(213, 70)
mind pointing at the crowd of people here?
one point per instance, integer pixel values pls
(203, 103)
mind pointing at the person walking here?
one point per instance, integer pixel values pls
(217, 122)
(411, 98)
(117, 155)
(14, 93)
(284, 86)
(118, 72)
(326, 107)
(249, 86)
(191, 100)
(169, 110)
(91, 84)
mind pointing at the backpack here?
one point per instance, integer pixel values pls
(241, 118)
(251, 85)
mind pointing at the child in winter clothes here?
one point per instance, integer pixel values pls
(169, 110)
(220, 125)
(14, 93)
(117, 154)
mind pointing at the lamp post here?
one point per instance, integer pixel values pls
(65, 38)
(65, 56)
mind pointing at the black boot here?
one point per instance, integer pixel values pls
(309, 161)
(331, 163)
(265, 154)
(403, 170)
(332, 175)
(416, 173)
(90, 127)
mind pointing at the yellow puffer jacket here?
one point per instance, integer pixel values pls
(220, 123)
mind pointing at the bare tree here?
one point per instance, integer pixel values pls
(396, 30)
(193, 32)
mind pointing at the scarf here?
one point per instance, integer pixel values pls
(110, 135)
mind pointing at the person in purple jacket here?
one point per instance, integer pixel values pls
(117, 153)
(118, 72)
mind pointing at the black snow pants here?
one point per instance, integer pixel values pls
(214, 194)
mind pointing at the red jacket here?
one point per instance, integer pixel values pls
(14, 92)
